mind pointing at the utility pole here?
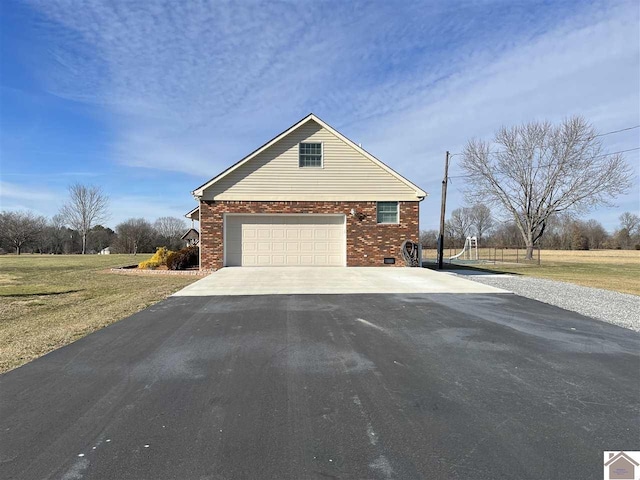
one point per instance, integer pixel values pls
(442, 211)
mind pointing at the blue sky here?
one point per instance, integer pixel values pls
(150, 99)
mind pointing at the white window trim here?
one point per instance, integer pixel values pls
(397, 213)
(321, 155)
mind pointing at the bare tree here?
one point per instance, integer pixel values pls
(87, 206)
(481, 220)
(20, 229)
(540, 169)
(595, 233)
(170, 231)
(630, 221)
(429, 238)
(134, 235)
(460, 223)
(506, 234)
(55, 235)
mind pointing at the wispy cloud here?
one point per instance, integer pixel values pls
(29, 193)
(193, 86)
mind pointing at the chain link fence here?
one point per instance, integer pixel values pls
(491, 255)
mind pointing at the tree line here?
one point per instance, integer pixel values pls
(77, 228)
(563, 232)
(24, 232)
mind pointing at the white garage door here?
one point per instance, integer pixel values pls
(284, 240)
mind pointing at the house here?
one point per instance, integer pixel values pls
(621, 466)
(309, 196)
(192, 237)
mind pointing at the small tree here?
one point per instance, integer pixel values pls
(87, 206)
(429, 238)
(134, 235)
(170, 231)
(481, 220)
(630, 222)
(20, 229)
(596, 233)
(460, 223)
(540, 169)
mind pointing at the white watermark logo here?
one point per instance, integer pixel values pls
(623, 465)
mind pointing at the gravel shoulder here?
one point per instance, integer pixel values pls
(620, 309)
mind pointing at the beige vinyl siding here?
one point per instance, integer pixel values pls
(274, 174)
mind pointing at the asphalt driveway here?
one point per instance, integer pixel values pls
(375, 386)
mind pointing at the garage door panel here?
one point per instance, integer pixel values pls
(292, 247)
(321, 247)
(249, 260)
(306, 259)
(249, 234)
(263, 240)
(335, 247)
(263, 259)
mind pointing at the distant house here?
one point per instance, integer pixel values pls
(309, 196)
(192, 237)
(105, 251)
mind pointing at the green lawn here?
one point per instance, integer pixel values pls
(47, 301)
(617, 270)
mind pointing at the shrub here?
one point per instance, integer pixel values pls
(183, 259)
(171, 259)
(148, 264)
(159, 258)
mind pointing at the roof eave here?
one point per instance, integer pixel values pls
(199, 192)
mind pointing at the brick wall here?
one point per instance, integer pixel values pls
(364, 235)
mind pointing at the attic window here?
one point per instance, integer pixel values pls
(310, 155)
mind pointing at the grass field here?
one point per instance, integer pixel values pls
(617, 270)
(47, 301)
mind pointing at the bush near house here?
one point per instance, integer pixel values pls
(158, 259)
(183, 259)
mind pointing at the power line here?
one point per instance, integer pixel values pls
(565, 143)
(618, 131)
(552, 164)
(619, 151)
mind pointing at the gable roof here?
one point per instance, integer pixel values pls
(192, 214)
(188, 232)
(621, 455)
(198, 192)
